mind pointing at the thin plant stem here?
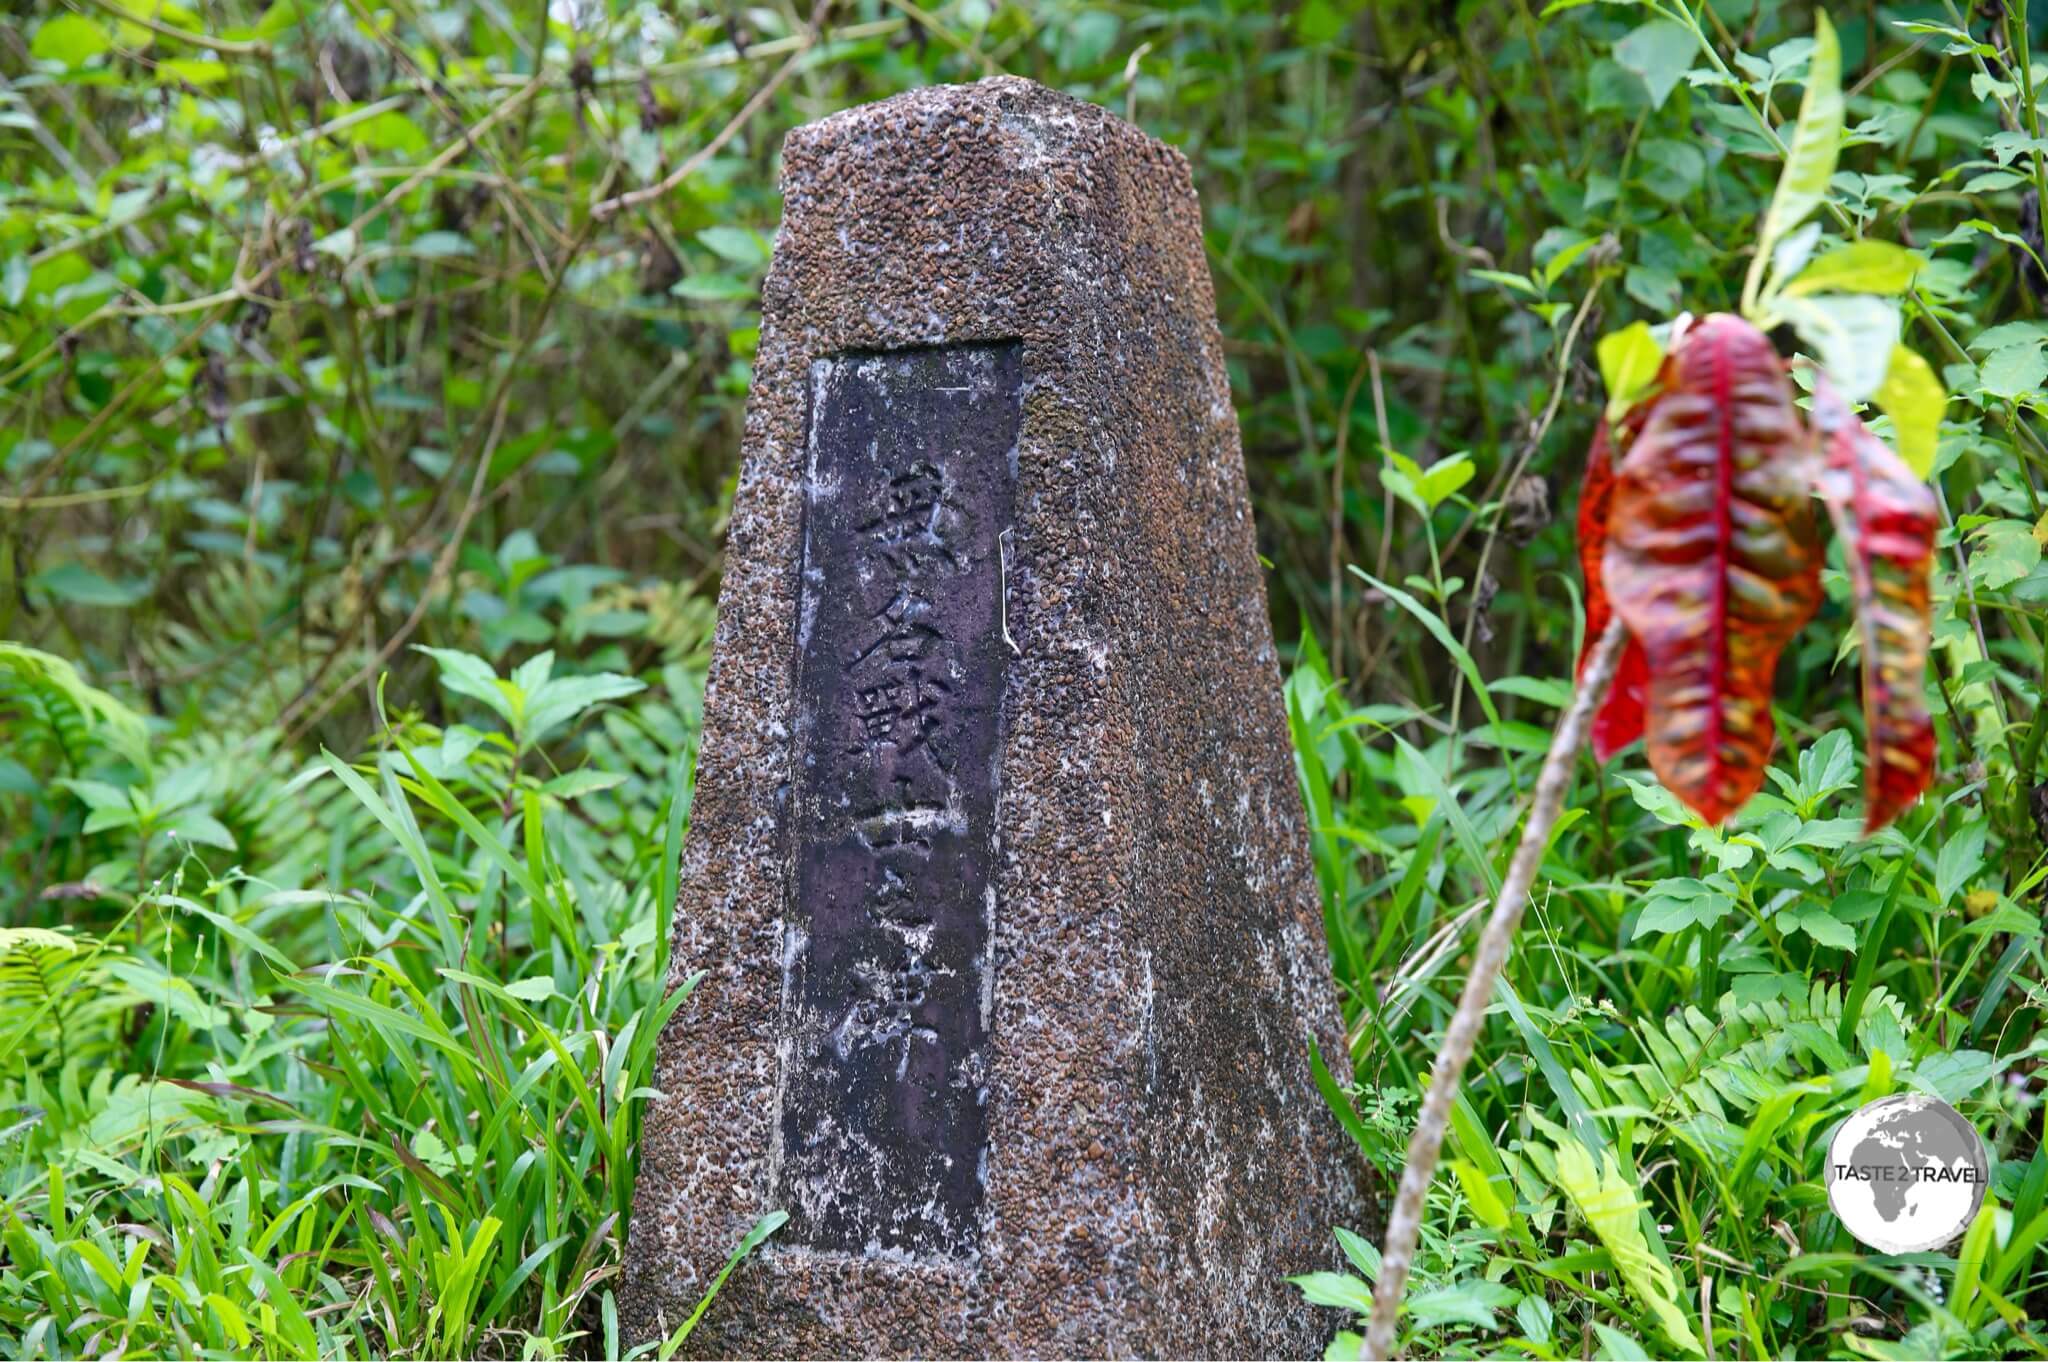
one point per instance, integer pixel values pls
(1404, 1226)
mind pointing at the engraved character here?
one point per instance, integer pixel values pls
(909, 529)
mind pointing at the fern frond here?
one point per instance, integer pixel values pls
(50, 700)
(1704, 1074)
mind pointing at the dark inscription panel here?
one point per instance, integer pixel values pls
(902, 643)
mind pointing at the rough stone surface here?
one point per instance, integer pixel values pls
(1154, 1157)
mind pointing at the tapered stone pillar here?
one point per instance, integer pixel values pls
(997, 872)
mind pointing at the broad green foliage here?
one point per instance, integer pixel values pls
(362, 486)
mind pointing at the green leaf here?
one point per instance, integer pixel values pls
(1364, 1256)
(439, 245)
(1853, 336)
(1671, 169)
(1617, 1346)
(1630, 360)
(740, 245)
(715, 288)
(2009, 333)
(1566, 258)
(467, 674)
(279, 18)
(1520, 283)
(1912, 396)
(574, 784)
(1428, 488)
(192, 71)
(1338, 1289)
(1547, 691)
(1816, 143)
(1815, 920)
(1088, 38)
(1789, 256)
(81, 585)
(39, 938)
(1958, 862)
(1859, 267)
(339, 244)
(2006, 551)
(2014, 372)
(389, 131)
(1334, 1097)
(1675, 904)
(1608, 1203)
(97, 795)
(754, 1238)
(1486, 1201)
(1655, 287)
(71, 39)
(1659, 53)
(559, 700)
(1319, 23)
(1953, 1075)
(1661, 803)
(1470, 1302)
(192, 825)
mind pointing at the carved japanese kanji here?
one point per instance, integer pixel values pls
(907, 491)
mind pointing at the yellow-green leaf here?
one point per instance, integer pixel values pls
(195, 71)
(1810, 160)
(71, 39)
(1859, 267)
(1912, 396)
(1629, 363)
(279, 18)
(1611, 1209)
(389, 131)
(1486, 1202)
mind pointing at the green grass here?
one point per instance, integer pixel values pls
(333, 942)
(394, 1115)
(1637, 1157)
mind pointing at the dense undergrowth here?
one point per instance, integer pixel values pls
(365, 452)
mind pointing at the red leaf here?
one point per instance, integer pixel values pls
(1713, 558)
(1886, 519)
(1619, 720)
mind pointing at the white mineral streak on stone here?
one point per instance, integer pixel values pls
(988, 970)
(1148, 1022)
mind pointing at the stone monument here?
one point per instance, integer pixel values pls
(997, 869)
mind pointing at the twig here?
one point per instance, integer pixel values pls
(967, 49)
(303, 712)
(340, 123)
(226, 48)
(1504, 483)
(468, 139)
(1405, 1224)
(713, 60)
(607, 208)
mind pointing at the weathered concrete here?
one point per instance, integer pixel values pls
(1098, 971)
